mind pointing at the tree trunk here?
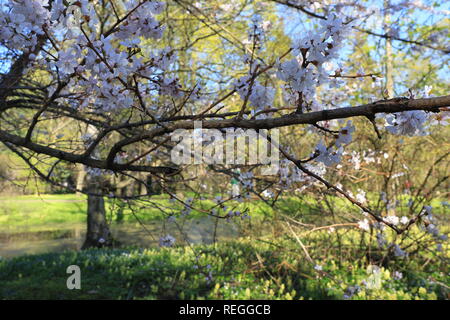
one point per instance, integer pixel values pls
(80, 178)
(98, 234)
(388, 54)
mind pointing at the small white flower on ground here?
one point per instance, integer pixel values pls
(397, 275)
(318, 267)
(351, 291)
(209, 277)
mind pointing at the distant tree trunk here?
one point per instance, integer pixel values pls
(80, 178)
(98, 234)
(389, 67)
(388, 53)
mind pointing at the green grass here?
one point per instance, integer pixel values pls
(46, 212)
(34, 212)
(240, 270)
(273, 267)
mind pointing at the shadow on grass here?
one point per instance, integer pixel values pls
(178, 273)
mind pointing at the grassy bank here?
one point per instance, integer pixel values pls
(49, 212)
(268, 266)
(239, 270)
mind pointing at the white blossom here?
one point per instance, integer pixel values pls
(361, 196)
(404, 220)
(407, 123)
(258, 96)
(364, 225)
(392, 219)
(166, 241)
(345, 134)
(328, 156)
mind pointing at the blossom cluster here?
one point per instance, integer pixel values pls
(141, 23)
(166, 241)
(97, 69)
(430, 226)
(290, 174)
(22, 23)
(258, 95)
(307, 71)
(408, 123)
(237, 214)
(332, 155)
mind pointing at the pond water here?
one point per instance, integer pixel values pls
(71, 236)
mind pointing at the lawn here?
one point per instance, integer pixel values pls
(34, 212)
(244, 269)
(265, 266)
(49, 212)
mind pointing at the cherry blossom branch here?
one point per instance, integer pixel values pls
(367, 110)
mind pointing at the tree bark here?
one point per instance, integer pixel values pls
(80, 178)
(98, 234)
(389, 65)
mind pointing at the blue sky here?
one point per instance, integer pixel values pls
(296, 22)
